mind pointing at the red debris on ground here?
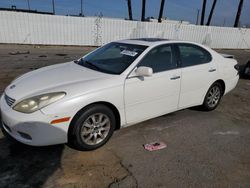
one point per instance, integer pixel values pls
(153, 146)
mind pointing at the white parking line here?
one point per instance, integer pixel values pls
(226, 133)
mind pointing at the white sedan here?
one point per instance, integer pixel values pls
(119, 84)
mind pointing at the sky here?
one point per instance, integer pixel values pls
(224, 13)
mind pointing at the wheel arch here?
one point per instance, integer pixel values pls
(221, 82)
(223, 85)
(108, 104)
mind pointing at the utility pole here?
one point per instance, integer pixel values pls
(224, 22)
(129, 10)
(143, 10)
(198, 15)
(203, 11)
(28, 1)
(211, 13)
(53, 5)
(81, 8)
(237, 19)
(161, 10)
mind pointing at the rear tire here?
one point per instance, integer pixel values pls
(92, 128)
(213, 97)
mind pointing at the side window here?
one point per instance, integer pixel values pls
(159, 59)
(193, 55)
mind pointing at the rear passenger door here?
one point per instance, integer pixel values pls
(198, 72)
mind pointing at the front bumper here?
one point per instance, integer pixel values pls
(32, 129)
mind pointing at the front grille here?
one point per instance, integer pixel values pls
(25, 135)
(9, 100)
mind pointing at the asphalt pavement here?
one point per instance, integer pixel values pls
(204, 149)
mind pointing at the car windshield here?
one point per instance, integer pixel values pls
(112, 58)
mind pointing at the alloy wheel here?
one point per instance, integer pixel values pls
(95, 128)
(213, 96)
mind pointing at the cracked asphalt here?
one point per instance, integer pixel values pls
(204, 149)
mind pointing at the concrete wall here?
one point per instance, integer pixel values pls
(28, 28)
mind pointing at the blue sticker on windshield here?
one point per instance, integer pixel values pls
(129, 53)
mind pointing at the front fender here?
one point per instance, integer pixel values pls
(70, 106)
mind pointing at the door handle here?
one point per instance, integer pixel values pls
(175, 78)
(212, 70)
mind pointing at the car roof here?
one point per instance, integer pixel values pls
(145, 41)
(157, 41)
(150, 39)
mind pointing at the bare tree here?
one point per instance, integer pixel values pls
(203, 11)
(211, 13)
(129, 10)
(143, 10)
(161, 10)
(237, 19)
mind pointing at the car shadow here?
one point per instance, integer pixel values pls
(241, 72)
(197, 108)
(27, 166)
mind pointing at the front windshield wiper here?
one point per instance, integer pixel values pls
(81, 61)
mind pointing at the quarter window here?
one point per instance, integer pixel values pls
(193, 55)
(159, 59)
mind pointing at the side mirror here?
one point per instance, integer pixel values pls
(144, 71)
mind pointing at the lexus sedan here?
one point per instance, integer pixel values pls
(117, 85)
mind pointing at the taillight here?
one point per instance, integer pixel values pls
(237, 67)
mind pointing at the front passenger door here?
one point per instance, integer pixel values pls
(153, 96)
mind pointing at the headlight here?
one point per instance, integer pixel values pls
(36, 103)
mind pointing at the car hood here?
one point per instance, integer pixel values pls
(48, 78)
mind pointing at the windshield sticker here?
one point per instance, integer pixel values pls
(129, 53)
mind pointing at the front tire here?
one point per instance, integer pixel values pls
(92, 128)
(213, 97)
